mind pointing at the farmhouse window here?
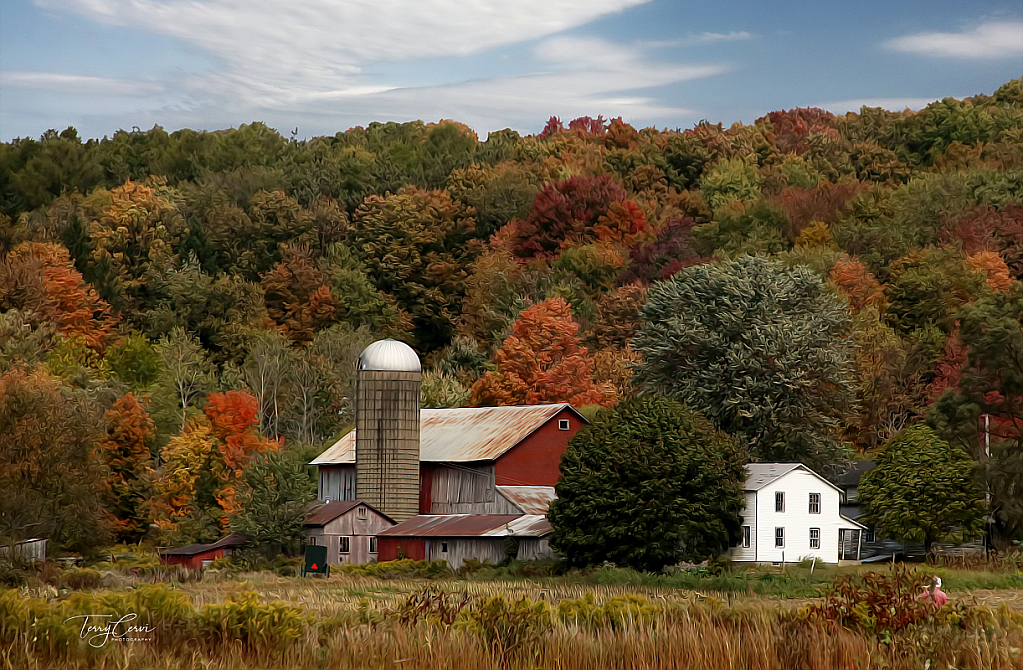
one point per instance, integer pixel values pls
(345, 544)
(870, 535)
(745, 537)
(815, 538)
(779, 502)
(362, 513)
(815, 503)
(779, 538)
(563, 424)
(443, 547)
(372, 545)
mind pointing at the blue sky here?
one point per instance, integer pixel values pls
(323, 66)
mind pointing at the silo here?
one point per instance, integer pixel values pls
(387, 428)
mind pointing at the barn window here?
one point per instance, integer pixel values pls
(362, 513)
(815, 503)
(745, 537)
(372, 545)
(815, 538)
(344, 544)
(563, 424)
(779, 502)
(312, 540)
(779, 538)
(443, 547)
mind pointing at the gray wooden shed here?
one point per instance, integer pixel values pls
(348, 528)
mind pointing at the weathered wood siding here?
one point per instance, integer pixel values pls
(387, 441)
(466, 488)
(34, 550)
(336, 482)
(535, 548)
(459, 549)
(359, 531)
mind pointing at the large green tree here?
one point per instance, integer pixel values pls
(761, 350)
(923, 490)
(647, 484)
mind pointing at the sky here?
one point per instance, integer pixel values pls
(317, 67)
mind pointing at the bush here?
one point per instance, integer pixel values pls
(80, 578)
(618, 612)
(400, 569)
(244, 620)
(510, 628)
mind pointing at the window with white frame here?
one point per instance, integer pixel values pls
(563, 424)
(344, 544)
(779, 502)
(815, 503)
(815, 538)
(745, 537)
(779, 538)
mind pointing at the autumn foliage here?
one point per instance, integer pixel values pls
(541, 362)
(126, 453)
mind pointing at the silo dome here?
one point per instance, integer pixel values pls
(390, 355)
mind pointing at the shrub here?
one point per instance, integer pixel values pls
(430, 605)
(243, 619)
(510, 628)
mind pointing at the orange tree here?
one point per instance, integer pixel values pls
(542, 361)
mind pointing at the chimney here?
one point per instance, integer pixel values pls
(387, 428)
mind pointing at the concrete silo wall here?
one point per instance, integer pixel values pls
(387, 441)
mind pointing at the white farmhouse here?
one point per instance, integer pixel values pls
(793, 513)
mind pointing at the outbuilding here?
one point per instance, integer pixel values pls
(196, 556)
(348, 529)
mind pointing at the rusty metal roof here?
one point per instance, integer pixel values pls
(327, 512)
(529, 499)
(462, 435)
(471, 525)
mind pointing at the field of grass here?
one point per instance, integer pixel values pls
(392, 617)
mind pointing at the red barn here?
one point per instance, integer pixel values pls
(468, 455)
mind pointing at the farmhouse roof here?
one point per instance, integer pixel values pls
(763, 474)
(471, 525)
(462, 435)
(327, 512)
(529, 499)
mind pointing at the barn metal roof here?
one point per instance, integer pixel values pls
(762, 474)
(390, 355)
(529, 499)
(462, 435)
(471, 525)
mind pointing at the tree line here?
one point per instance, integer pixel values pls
(177, 309)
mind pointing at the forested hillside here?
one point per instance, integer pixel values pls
(172, 305)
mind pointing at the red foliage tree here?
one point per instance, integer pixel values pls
(994, 269)
(858, 284)
(662, 257)
(234, 420)
(541, 362)
(792, 127)
(985, 228)
(565, 214)
(126, 453)
(42, 279)
(825, 202)
(297, 296)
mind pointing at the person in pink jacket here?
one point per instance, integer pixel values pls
(934, 594)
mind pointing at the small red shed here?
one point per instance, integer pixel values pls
(196, 556)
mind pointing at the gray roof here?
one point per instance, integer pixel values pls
(762, 474)
(390, 355)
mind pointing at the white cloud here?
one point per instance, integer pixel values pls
(993, 39)
(702, 38)
(891, 104)
(78, 84)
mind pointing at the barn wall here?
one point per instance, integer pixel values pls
(490, 549)
(391, 547)
(535, 548)
(336, 482)
(535, 461)
(466, 488)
